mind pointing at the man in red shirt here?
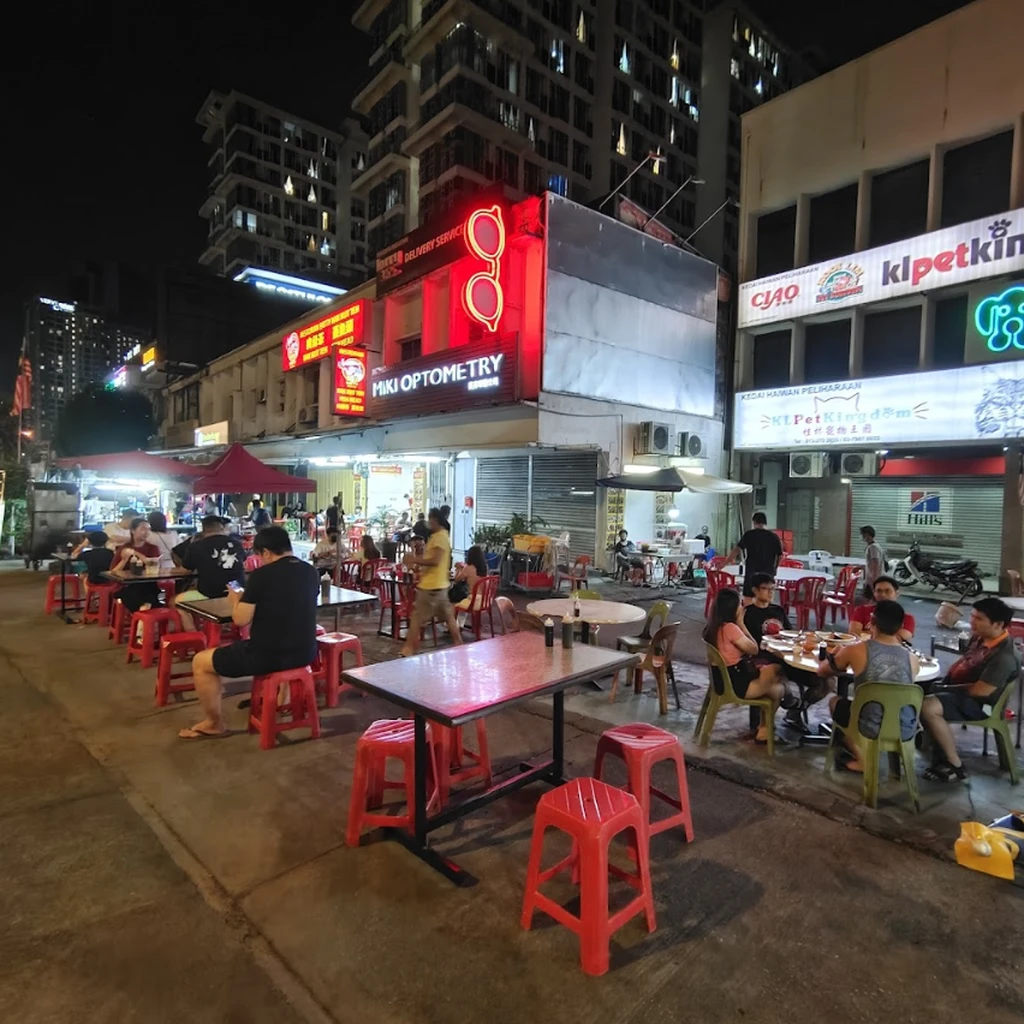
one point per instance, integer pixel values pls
(885, 589)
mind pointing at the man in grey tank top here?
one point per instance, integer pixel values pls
(880, 659)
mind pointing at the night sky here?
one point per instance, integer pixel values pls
(103, 158)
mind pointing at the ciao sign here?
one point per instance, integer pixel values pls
(772, 297)
(459, 378)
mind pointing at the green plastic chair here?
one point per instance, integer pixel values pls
(892, 697)
(720, 694)
(1000, 727)
(589, 595)
(656, 618)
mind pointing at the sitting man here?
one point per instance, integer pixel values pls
(279, 604)
(97, 556)
(625, 559)
(765, 618)
(216, 558)
(882, 658)
(327, 549)
(885, 589)
(977, 678)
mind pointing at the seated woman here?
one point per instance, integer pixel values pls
(725, 631)
(137, 597)
(466, 575)
(367, 549)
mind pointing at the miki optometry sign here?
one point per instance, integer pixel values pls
(957, 255)
(313, 341)
(459, 378)
(971, 403)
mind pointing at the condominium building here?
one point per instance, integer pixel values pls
(280, 191)
(569, 96)
(70, 346)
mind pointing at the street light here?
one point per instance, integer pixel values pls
(28, 433)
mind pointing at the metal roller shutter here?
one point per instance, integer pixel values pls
(564, 495)
(976, 512)
(502, 488)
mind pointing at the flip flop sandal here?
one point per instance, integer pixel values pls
(198, 734)
(945, 773)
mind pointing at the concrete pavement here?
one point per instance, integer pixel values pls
(144, 878)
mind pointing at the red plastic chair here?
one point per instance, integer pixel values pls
(386, 739)
(842, 600)
(370, 570)
(718, 562)
(481, 600)
(406, 589)
(577, 575)
(716, 581)
(791, 563)
(72, 592)
(593, 813)
(846, 573)
(807, 596)
(642, 746)
(155, 624)
(348, 574)
(265, 711)
(99, 602)
(176, 649)
(331, 648)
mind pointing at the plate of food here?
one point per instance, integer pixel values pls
(833, 637)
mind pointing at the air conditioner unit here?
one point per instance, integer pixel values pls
(691, 445)
(309, 414)
(811, 464)
(653, 439)
(859, 464)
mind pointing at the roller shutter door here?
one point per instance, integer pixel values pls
(975, 511)
(502, 488)
(564, 495)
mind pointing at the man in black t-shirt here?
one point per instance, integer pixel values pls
(97, 556)
(279, 604)
(761, 549)
(216, 558)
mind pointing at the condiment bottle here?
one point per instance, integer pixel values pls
(567, 628)
(549, 633)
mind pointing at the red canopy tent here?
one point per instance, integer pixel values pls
(138, 465)
(238, 472)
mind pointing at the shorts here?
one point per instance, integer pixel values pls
(433, 604)
(233, 661)
(740, 676)
(958, 706)
(870, 723)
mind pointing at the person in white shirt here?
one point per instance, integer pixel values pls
(162, 538)
(328, 547)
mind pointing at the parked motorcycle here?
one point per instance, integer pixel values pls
(918, 568)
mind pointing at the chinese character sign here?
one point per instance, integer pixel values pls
(313, 341)
(349, 382)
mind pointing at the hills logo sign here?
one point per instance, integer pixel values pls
(927, 510)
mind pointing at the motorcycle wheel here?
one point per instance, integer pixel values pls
(973, 587)
(900, 575)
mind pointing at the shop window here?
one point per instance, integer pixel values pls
(892, 341)
(771, 359)
(776, 233)
(827, 351)
(410, 348)
(833, 226)
(976, 179)
(950, 332)
(899, 204)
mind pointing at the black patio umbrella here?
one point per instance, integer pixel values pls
(662, 480)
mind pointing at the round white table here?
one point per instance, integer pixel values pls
(809, 662)
(602, 613)
(781, 575)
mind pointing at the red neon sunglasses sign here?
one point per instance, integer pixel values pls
(482, 297)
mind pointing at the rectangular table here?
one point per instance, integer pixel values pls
(457, 685)
(218, 609)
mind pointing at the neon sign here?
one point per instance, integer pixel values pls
(313, 341)
(999, 319)
(349, 382)
(483, 297)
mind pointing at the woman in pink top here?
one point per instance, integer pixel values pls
(725, 630)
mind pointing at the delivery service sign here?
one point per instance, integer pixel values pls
(967, 252)
(971, 403)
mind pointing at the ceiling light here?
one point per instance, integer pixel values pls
(882, 451)
(844, 480)
(639, 470)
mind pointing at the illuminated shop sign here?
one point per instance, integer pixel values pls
(64, 307)
(119, 378)
(314, 341)
(482, 296)
(995, 322)
(149, 358)
(349, 381)
(968, 252)
(214, 433)
(271, 282)
(970, 403)
(470, 375)
(429, 248)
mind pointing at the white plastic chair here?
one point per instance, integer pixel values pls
(820, 561)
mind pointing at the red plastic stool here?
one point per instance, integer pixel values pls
(592, 812)
(156, 623)
(451, 753)
(301, 705)
(100, 596)
(167, 588)
(218, 634)
(174, 649)
(642, 746)
(331, 648)
(118, 631)
(72, 592)
(386, 738)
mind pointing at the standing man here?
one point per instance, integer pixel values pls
(279, 604)
(432, 590)
(874, 560)
(260, 516)
(761, 549)
(334, 513)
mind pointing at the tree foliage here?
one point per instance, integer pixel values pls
(99, 420)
